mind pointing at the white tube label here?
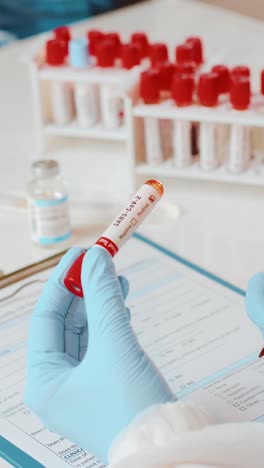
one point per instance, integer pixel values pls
(208, 146)
(154, 155)
(182, 143)
(61, 103)
(86, 104)
(112, 107)
(129, 219)
(239, 151)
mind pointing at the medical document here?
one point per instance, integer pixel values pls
(195, 329)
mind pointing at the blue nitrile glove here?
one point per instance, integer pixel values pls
(255, 300)
(90, 400)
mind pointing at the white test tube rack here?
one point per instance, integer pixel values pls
(42, 75)
(222, 114)
(131, 133)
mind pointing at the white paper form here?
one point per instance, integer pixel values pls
(194, 329)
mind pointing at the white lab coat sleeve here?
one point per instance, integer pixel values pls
(180, 435)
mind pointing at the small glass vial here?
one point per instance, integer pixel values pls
(48, 204)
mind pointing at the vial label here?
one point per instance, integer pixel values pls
(182, 143)
(50, 220)
(112, 107)
(129, 219)
(208, 146)
(239, 151)
(62, 103)
(154, 154)
(86, 104)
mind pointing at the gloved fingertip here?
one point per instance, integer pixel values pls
(255, 299)
(97, 265)
(124, 285)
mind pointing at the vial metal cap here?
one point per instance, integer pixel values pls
(45, 168)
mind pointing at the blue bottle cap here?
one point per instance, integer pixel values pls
(78, 53)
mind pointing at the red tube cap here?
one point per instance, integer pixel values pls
(197, 45)
(223, 78)
(208, 89)
(72, 280)
(262, 82)
(241, 70)
(130, 55)
(240, 93)
(184, 53)
(55, 53)
(186, 68)
(62, 33)
(150, 86)
(158, 53)
(105, 54)
(166, 72)
(182, 89)
(142, 39)
(94, 36)
(115, 39)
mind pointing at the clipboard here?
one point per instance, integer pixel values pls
(8, 450)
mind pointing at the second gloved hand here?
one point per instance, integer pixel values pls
(89, 401)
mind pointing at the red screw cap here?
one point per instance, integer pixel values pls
(62, 33)
(208, 89)
(223, 78)
(130, 55)
(150, 86)
(241, 70)
(94, 37)
(55, 53)
(115, 38)
(186, 68)
(240, 93)
(142, 39)
(197, 45)
(262, 82)
(182, 89)
(158, 53)
(166, 72)
(105, 54)
(184, 53)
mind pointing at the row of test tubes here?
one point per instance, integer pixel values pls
(185, 84)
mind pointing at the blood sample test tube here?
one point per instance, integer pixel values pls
(61, 93)
(182, 93)
(240, 147)
(85, 94)
(150, 94)
(208, 97)
(112, 105)
(121, 229)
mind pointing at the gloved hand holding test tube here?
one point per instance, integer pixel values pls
(120, 230)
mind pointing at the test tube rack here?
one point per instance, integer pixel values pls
(132, 132)
(42, 75)
(223, 114)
